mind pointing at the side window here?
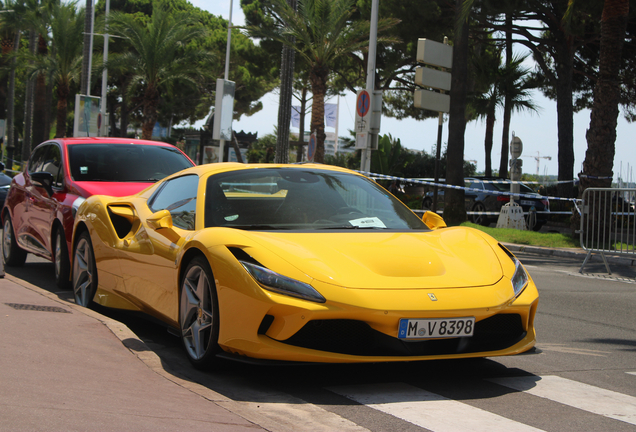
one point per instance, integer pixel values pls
(52, 164)
(179, 197)
(37, 159)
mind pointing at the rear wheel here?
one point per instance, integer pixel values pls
(62, 264)
(84, 271)
(12, 254)
(480, 219)
(198, 314)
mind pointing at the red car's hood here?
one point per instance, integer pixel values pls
(116, 189)
(448, 258)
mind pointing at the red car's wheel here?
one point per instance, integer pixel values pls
(62, 264)
(12, 254)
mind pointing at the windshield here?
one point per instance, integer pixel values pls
(124, 162)
(305, 199)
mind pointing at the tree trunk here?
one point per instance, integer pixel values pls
(27, 136)
(454, 208)
(151, 100)
(505, 133)
(565, 121)
(601, 135)
(285, 100)
(488, 142)
(62, 101)
(318, 79)
(40, 108)
(301, 125)
(11, 102)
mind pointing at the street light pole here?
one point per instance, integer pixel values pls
(365, 161)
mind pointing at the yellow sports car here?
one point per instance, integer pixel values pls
(307, 263)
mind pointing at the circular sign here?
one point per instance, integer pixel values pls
(311, 147)
(363, 103)
(516, 147)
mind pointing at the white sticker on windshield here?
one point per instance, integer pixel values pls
(369, 222)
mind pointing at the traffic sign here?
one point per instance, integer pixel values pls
(363, 103)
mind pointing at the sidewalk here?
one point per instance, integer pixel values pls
(66, 368)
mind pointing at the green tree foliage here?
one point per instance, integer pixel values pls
(323, 32)
(159, 56)
(64, 58)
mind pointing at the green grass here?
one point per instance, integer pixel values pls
(530, 238)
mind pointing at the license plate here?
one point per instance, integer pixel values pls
(526, 202)
(436, 328)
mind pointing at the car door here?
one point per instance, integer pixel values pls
(40, 204)
(148, 257)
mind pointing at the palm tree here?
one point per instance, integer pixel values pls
(509, 82)
(601, 136)
(64, 60)
(323, 32)
(158, 56)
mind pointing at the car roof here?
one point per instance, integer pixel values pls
(106, 140)
(216, 168)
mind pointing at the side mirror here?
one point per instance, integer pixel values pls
(433, 220)
(44, 180)
(161, 222)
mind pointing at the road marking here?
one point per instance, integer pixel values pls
(569, 350)
(426, 409)
(575, 394)
(631, 373)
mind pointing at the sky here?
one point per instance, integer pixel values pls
(538, 131)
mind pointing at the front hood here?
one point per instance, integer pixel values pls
(115, 189)
(447, 258)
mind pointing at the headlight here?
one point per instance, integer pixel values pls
(275, 282)
(520, 278)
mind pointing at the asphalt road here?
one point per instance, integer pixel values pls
(582, 379)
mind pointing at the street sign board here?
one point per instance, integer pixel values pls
(430, 100)
(434, 53)
(433, 78)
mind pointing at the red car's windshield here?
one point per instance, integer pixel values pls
(124, 162)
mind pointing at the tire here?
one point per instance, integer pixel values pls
(61, 260)
(12, 254)
(199, 314)
(480, 219)
(84, 271)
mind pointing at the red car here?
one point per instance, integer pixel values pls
(39, 209)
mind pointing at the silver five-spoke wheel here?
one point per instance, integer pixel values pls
(84, 271)
(198, 313)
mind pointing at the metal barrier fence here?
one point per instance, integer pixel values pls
(608, 223)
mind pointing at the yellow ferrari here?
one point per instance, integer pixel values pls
(306, 263)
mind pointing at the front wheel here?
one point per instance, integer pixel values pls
(62, 263)
(199, 314)
(12, 254)
(84, 271)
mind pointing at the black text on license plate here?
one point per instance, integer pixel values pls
(436, 328)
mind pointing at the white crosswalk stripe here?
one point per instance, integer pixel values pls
(575, 394)
(428, 410)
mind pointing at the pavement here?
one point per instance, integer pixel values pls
(68, 368)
